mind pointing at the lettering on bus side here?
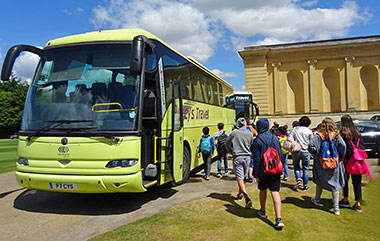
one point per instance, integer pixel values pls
(243, 98)
(195, 113)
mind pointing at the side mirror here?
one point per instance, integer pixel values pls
(12, 54)
(140, 44)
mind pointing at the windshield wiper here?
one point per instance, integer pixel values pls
(90, 133)
(51, 126)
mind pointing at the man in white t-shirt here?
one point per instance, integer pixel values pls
(303, 135)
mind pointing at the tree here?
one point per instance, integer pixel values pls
(12, 100)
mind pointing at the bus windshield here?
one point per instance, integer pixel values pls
(83, 87)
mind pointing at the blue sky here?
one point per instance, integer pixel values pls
(211, 31)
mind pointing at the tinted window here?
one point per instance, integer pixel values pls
(366, 126)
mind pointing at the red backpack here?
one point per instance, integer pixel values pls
(271, 160)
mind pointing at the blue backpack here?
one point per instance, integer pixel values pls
(206, 145)
(329, 154)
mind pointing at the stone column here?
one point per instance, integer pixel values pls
(313, 86)
(277, 88)
(353, 89)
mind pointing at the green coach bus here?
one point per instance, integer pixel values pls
(114, 111)
(242, 103)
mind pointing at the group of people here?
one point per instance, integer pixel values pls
(259, 155)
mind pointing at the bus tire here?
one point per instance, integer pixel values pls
(185, 167)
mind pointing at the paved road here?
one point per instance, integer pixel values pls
(40, 215)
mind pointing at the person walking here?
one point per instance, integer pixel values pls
(239, 143)
(303, 135)
(251, 129)
(282, 137)
(221, 137)
(206, 147)
(351, 136)
(331, 178)
(261, 144)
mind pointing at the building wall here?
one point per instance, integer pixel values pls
(319, 78)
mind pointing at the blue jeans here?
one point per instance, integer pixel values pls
(286, 170)
(207, 163)
(305, 157)
(219, 158)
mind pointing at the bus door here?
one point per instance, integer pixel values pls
(177, 132)
(255, 112)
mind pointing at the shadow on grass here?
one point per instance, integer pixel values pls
(234, 208)
(305, 202)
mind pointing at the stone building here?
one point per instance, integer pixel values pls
(317, 78)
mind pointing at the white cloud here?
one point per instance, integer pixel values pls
(239, 88)
(180, 25)
(279, 21)
(309, 3)
(198, 27)
(289, 23)
(237, 5)
(221, 74)
(25, 66)
(268, 41)
(76, 11)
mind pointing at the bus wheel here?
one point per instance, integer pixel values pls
(185, 167)
(186, 164)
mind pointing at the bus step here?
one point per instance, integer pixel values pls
(147, 184)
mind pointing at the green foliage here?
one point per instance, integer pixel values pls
(12, 99)
(8, 155)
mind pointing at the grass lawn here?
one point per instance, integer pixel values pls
(221, 217)
(8, 155)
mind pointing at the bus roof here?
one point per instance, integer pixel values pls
(240, 93)
(101, 36)
(120, 35)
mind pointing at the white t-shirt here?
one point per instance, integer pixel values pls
(303, 136)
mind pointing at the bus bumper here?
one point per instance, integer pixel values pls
(81, 184)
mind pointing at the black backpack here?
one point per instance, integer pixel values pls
(222, 139)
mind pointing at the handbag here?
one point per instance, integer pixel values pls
(291, 144)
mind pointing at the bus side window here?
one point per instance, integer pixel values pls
(213, 91)
(221, 95)
(186, 87)
(203, 83)
(227, 91)
(196, 87)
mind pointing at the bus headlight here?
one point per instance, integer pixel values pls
(23, 161)
(122, 163)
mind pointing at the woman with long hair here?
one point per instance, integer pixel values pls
(351, 135)
(330, 179)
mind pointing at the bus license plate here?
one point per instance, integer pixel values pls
(63, 186)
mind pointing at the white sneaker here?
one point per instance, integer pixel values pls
(315, 202)
(337, 212)
(219, 175)
(279, 224)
